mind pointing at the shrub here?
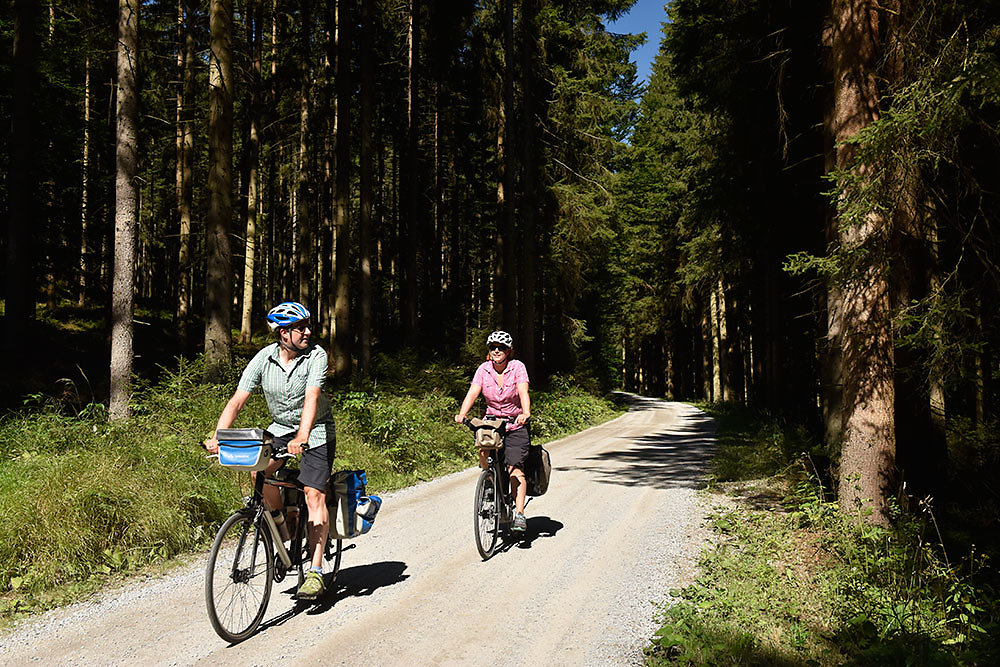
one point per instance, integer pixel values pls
(803, 584)
(82, 498)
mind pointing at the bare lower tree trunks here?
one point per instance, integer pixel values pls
(126, 212)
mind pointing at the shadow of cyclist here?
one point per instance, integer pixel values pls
(360, 580)
(353, 581)
(538, 526)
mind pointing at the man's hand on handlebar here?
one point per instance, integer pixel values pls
(297, 446)
(211, 445)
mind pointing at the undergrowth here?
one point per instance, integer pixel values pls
(83, 500)
(791, 580)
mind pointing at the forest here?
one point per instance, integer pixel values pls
(794, 217)
(795, 214)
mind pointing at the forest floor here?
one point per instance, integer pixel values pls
(620, 526)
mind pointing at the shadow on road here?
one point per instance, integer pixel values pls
(351, 582)
(538, 526)
(362, 580)
(636, 402)
(675, 457)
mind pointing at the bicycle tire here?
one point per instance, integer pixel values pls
(239, 576)
(487, 515)
(331, 555)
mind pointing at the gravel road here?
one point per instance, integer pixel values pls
(620, 525)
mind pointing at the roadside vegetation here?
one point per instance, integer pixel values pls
(791, 580)
(84, 500)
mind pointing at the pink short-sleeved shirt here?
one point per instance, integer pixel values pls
(502, 400)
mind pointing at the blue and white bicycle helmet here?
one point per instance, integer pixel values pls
(500, 338)
(286, 314)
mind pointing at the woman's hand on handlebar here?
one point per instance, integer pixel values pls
(211, 444)
(459, 419)
(522, 419)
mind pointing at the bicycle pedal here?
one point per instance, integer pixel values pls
(307, 597)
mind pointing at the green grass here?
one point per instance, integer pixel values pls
(83, 501)
(792, 581)
(752, 446)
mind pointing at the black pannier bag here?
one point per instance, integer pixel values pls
(537, 470)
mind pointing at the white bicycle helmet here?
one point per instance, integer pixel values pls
(286, 314)
(500, 338)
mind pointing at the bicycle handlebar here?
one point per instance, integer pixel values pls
(278, 451)
(506, 420)
(510, 420)
(281, 452)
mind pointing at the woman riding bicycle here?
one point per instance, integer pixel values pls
(503, 382)
(291, 372)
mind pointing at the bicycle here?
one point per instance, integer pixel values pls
(493, 504)
(241, 564)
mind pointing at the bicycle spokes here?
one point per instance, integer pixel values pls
(487, 516)
(238, 577)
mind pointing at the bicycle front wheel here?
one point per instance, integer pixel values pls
(239, 576)
(487, 518)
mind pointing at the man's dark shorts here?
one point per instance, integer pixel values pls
(515, 447)
(316, 464)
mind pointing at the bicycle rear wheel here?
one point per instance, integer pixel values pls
(487, 518)
(239, 576)
(331, 560)
(331, 555)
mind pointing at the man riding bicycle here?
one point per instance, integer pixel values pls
(503, 382)
(291, 372)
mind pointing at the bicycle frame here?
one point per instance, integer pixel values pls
(260, 510)
(495, 460)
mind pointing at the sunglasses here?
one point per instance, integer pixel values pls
(502, 348)
(299, 326)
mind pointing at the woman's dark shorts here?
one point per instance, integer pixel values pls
(315, 464)
(515, 447)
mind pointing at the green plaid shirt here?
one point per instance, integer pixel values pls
(285, 390)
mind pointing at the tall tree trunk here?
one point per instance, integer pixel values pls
(218, 274)
(126, 211)
(920, 448)
(831, 349)
(979, 368)
(342, 308)
(530, 145)
(327, 304)
(253, 165)
(432, 242)
(725, 345)
(707, 348)
(49, 238)
(306, 256)
(506, 266)
(81, 295)
(19, 304)
(936, 381)
(412, 180)
(736, 343)
(869, 445)
(667, 355)
(715, 315)
(365, 219)
(184, 176)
